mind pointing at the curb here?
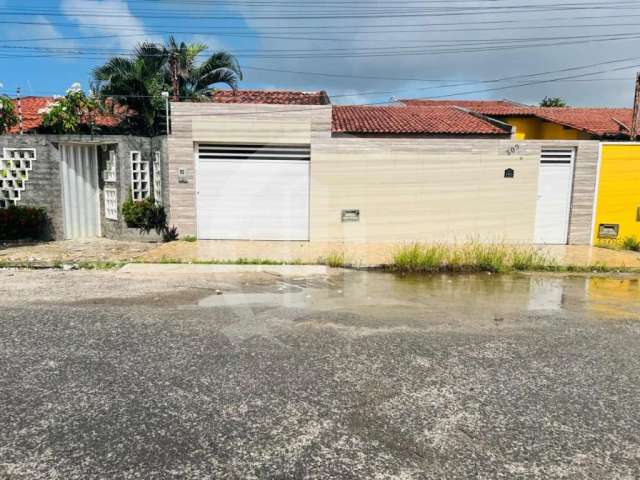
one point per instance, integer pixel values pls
(165, 268)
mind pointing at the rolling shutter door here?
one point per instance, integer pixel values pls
(253, 192)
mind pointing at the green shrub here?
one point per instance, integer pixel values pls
(8, 116)
(189, 238)
(146, 215)
(631, 243)
(67, 114)
(23, 223)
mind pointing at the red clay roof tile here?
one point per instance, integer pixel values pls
(596, 121)
(446, 120)
(275, 97)
(33, 108)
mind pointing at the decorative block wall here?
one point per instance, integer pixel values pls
(15, 165)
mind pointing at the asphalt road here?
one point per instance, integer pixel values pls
(106, 375)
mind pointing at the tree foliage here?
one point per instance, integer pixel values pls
(8, 116)
(137, 83)
(69, 113)
(553, 102)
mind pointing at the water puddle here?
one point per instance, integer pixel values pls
(459, 297)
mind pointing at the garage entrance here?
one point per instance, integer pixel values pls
(253, 192)
(555, 185)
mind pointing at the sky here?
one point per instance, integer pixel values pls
(359, 51)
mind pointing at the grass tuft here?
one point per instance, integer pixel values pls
(470, 257)
(333, 260)
(189, 238)
(631, 243)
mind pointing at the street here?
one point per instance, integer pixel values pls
(354, 375)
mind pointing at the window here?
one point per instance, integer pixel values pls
(15, 165)
(157, 178)
(111, 203)
(109, 173)
(140, 187)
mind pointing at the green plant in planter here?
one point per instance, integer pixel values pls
(146, 215)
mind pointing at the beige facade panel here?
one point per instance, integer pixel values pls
(221, 130)
(406, 189)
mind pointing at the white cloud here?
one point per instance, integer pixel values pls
(130, 30)
(468, 66)
(42, 29)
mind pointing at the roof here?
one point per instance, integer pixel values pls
(596, 121)
(447, 120)
(33, 108)
(275, 97)
(483, 107)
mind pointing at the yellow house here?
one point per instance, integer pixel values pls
(617, 209)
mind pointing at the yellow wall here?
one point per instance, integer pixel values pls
(530, 128)
(527, 128)
(619, 190)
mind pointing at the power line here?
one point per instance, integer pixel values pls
(334, 16)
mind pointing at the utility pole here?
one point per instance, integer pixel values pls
(19, 102)
(174, 77)
(633, 135)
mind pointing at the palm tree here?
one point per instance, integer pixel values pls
(135, 83)
(192, 81)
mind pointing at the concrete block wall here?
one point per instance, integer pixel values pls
(44, 188)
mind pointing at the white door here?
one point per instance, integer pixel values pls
(554, 196)
(81, 200)
(253, 192)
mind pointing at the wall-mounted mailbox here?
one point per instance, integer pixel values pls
(509, 173)
(608, 230)
(182, 175)
(638, 214)
(350, 215)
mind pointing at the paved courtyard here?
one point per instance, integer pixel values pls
(353, 375)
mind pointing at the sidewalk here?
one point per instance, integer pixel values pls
(48, 254)
(356, 254)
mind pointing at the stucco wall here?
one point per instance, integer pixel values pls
(619, 190)
(407, 189)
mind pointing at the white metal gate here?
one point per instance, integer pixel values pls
(81, 197)
(555, 184)
(253, 192)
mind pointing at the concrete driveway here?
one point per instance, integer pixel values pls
(352, 375)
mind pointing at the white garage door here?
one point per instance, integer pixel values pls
(554, 196)
(253, 192)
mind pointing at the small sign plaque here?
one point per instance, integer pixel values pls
(509, 173)
(608, 230)
(350, 215)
